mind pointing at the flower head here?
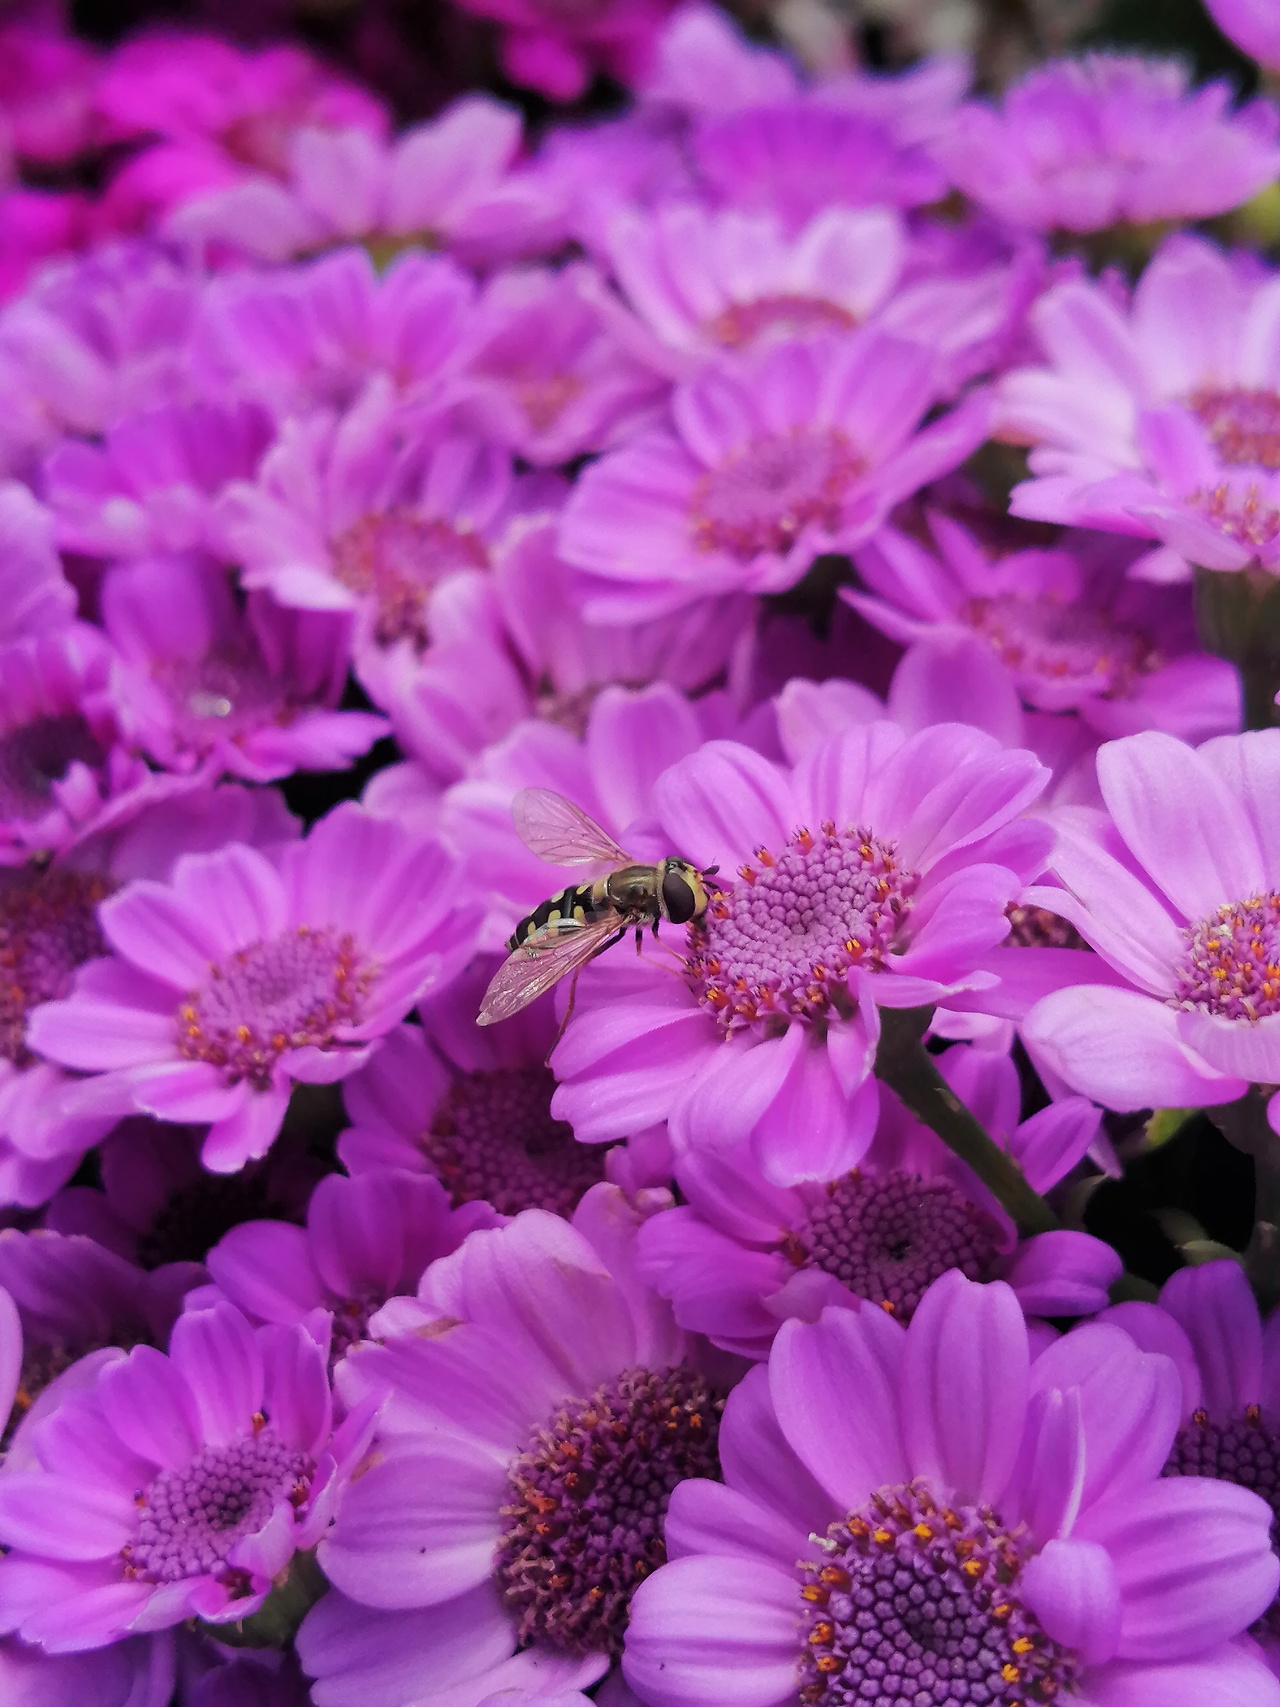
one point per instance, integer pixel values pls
(242, 975)
(932, 1515)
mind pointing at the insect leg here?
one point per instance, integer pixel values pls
(573, 993)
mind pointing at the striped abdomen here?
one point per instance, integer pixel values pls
(582, 901)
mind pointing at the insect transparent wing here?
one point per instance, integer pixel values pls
(560, 832)
(543, 960)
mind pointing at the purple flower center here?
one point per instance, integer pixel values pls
(588, 1499)
(192, 1518)
(1062, 644)
(194, 1217)
(288, 993)
(1232, 961)
(36, 755)
(395, 559)
(782, 942)
(1244, 424)
(889, 1238)
(915, 1602)
(1244, 1451)
(762, 499)
(1240, 512)
(782, 316)
(48, 927)
(494, 1139)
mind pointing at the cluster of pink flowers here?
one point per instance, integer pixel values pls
(862, 495)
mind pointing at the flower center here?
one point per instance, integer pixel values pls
(194, 1217)
(1240, 512)
(782, 942)
(192, 1518)
(494, 1139)
(48, 927)
(1037, 927)
(1064, 644)
(223, 695)
(395, 559)
(1232, 961)
(888, 1239)
(288, 993)
(588, 1501)
(1244, 1451)
(1243, 424)
(916, 1602)
(780, 316)
(762, 499)
(36, 755)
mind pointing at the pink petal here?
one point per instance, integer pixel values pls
(218, 1354)
(151, 1408)
(1219, 1314)
(1072, 1588)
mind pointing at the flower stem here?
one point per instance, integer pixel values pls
(906, 1066)
(1238, 618)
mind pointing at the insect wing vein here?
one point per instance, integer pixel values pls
(541, 961)
(562, 833)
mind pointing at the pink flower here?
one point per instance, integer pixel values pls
(137, 1672)
(35, 596)
(48, 83)
(702, 62)
(802, 451)
(214, 1464)
(246, 690)
(35, 227)
(455, 180)
(243, 975)
(545, 376)
(868, 875)
(1084, 144)
(1072, 631)
(555, 50)
(1252, 25)
(312, 334)
(1176, 889)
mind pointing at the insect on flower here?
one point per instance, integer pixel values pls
(562, 934)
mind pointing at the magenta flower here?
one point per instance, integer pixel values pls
(240, 688)
(1175, 887)
(49, 928)
(365, 1240)
(1147, 421)
(862, 1535)
(243, 975)
(367, 513)
(795, 158)
(702, 62)
(456, 180)
(549, 1316)
(1071, 630)
(311, 335)
(743, 1255)
(212, 1465)
(35, 596)
(37, 226)
(1252, 25)
(556, 51)
(47, 90)
(802, 451)
(151, 485)
(1228, 1359)
(868, 875)
(137, 1672)
(545, 376)
(1088, 143)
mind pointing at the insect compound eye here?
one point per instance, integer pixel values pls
(678, 899)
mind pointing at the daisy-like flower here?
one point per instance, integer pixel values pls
(455, 182)
(241, 688)
(311, 335)
(1084, 144)
(545, 375)
(151, 485)
(243, 975)
(35, 596)
(49, 928)
(365, 1240)
(741, 1255)
(932, 1515)
(544, 1379)
(1176, 888)
(869, 874)
(1228, 1359)
(211, 1466)
(367, 512)
(1161, 416)
(1073, 632)
(804, 450)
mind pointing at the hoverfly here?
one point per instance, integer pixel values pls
(562, 934)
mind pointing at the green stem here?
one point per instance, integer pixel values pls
(906, 1066)
(1238, 618)
(276, 1621)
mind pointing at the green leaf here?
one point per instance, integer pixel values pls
(1166, 1123)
